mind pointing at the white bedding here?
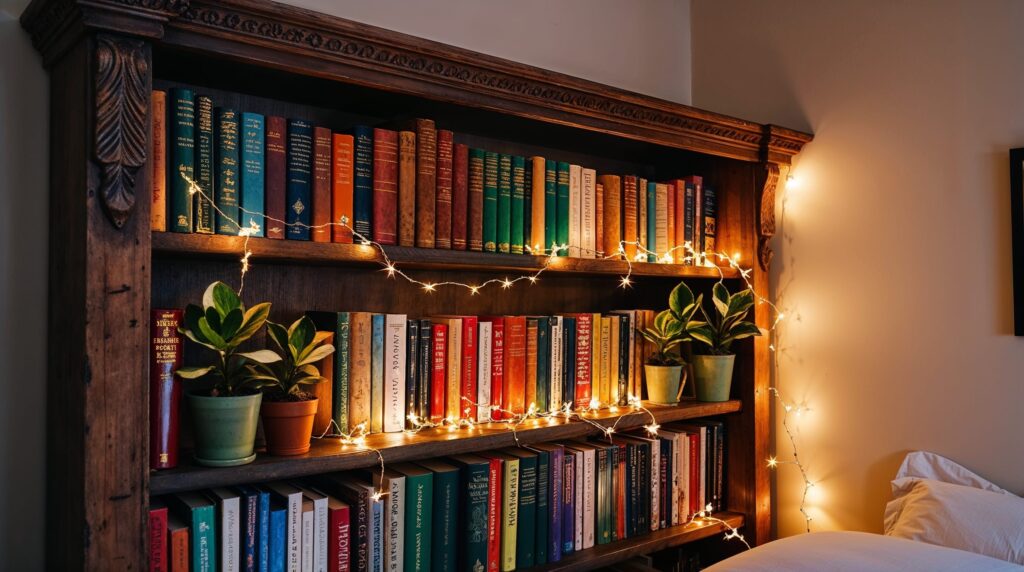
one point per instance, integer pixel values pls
(857, 552)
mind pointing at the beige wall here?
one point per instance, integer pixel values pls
(895, 251)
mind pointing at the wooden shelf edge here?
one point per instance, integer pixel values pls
(605, 554)
(328, 455)
(326, 253)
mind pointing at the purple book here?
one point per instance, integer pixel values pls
(557, 461)
(569, 505)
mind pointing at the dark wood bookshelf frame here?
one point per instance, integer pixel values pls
(107, 269)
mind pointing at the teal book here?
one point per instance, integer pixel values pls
(490, 222)
(444, 552)
(362, 198)
(227, 171)
(652, 225)
(518, 205)
(550, 204)
(337, 322)
(377, 374)
(543, 363)
(419, 497)
(527, 510)
(299, 179)
(253, 173)
(562, 207)
(540, 537)
(182, 157)
(474, 489)
(278, 538)
(504, 226)
(200, 514)
(202, 208)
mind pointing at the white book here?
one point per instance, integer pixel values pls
(556, 363)
(483, 377)
(320, 534)
(292, 498)
(580, 470)
(394, 372)
(589, 493)
(394, 518)
(684, 498)
(676, 478)
(588, 214)
(228, 512)
(308, 558)
(575, 210)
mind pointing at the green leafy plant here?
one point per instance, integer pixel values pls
(726, 324)
(670, 328)
(222, 324)
(300, 346)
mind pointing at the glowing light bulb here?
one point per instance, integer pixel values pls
(652, 428)
(428, 287)
(533, 279)
(625, 282)
(391, 270)
(772, 462)
(506, 283)
(474, 290)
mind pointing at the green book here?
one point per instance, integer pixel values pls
(550, 205)
(200, 514)
(474, 488)
(527, 509)
(444, 552)
(562, 208)
(202, 208)
(182, 156)
(337, 322)
(504, 203)
(509, 507)
(527, 205)
(490, 202)
(419, 499)
(540, 536)
(518, 205)
(227, 171)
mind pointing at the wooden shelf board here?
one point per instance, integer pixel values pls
(326, 253)
(605, 554)
(329, 455)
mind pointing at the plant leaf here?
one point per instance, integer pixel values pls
(252, 321)
(192, 315)
(740, 302)
(232, 321)
(279, 335)
(193, 372)
(300, 335)
(261, 356)
(317, 354)
(224, 298)
(743, 330)
(703, 333)
(720, 296)
(680, 297)
(211, 334)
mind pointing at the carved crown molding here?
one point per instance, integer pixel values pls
(766, 214)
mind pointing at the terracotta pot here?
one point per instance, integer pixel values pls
(288, 426)
(664, 383)
(225, 428)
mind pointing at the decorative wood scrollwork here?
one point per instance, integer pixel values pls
(766, 215)
(121, 125)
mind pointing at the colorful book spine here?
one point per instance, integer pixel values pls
(393, 484)
(654, 240)
(394, 373)
(484, 368)
(158, 158)
(453, 386)
(603, 533)
(612, 213)
(419, 495)
(494, 523)
(177, 540)
(563, 216)
(385, 186)
(277, 551)
(159, 558)
(575, 210)
(584, 342)
(599, 219)
(476, 200)
(439, 377)
(527, 208)
(321, 186)
(514, 390)
(630, 230)
(538, 212)
(249, 516)
(202, 202)
(253, 177)
(182, 156)
(426, 369)
(532, 325)
(509, 508)
(694, 188)
(569, 360)
(412, 352)
(199, 514)
(710, 220)
(490, 212)
(550, 206)
(407, 188)
(342, 187)
(426, 181)
(359, 375)
(670, 219)
(504, 223)
(526, 511)
(568, 504)
(678, 188)
(468, 366)
(165, 357)
(444, 530)
(498, 342)
(588, 223)
(443, 198)
(643, 239)
(377, 373)
(460, 197)
(227, 171)
(362, 181)
(543, 516)
(543, 364)
(474, 489)
(338, 547)
(274, 182)
(517, 205)
(555, 381)
(299, 179)
(376, 535)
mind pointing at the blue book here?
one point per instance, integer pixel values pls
(263, 546)
(652, 225)
(249, 522)
(377, 535)
(543, 517)
(569, 505)
(568, 359)
(543, 363)
(377, 374)
(253, 177)
(277, 553)
(299, 159)
(556, 471)
(362, 196)
(226, 171)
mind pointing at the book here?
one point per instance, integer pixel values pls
(514, 383)
(199, 513)
(253, 181)
(226, 172)
(578, 507)
(517, 205)
(569, 357)
(362, 181)
(484, 369)
(291, 497)
(688, 212)
(504, 213)
(376, 528)
(460, 197)
(299, 179)
(555, 490)
(654, 241)
(453, 385)
(612, 209)
(595, 359)
(543, 358)
(599, 219)
(584, 343)
(562, 209)
(412, 356)
(177, 544)
(159, 559)
(677, 189)
(497, 391)
(630, 232)
(542, 522)
(670, 216)
(557, 367)
(468, 366)
(419, 494)
(490, 204)
(377, 360)
(538, 191)
(709, 212)
(307, 555)
(605, 352)
(425, 369)
(532, 325)
(527, 209)
(321, 186)
(181, 150)
(393, 483)
(361, 352)
(339, 324)
(407, 188)
(641, 200)
(394, 373)
(277, 554)
(568, 503)
(205, 169)
(384, 209)
(275, 159)
(426, 180)
(474, 488)
(526, 512)
(602, 485)
(444, 533)
(661, 229)
(443, 196)
(158, 156)
(694, 186)
(165, 357)
(509, 507)
(342, 187)
(249, 526)
(575, 211)
(320, 527)
(357, 495)
(588, 491)
(439, 375)
(339, 535)
(588, 212)
(475, 225)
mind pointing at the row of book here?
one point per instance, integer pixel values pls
(410, 185)
(494, 511)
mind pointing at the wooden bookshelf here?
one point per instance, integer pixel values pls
(107, 268)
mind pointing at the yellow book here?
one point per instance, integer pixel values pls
(509, 507)
(595, 358)
(613, 362)
(605, 352)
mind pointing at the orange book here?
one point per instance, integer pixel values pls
(177, 532)
(671, 216)
(599, 219)
(630, 230)
(537, 239)
(584, 332)
(612, 213)
(531, 361)
(342, 187)
(158, 178)
(407, 188)
(514, 390)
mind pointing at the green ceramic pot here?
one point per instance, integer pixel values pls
(713, 377)
(664, 383)
(225, 428)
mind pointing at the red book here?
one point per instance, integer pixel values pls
(599, 219)
(497, 362)
(165, 357)
(385, 186)
(277, 132)
(678, 189)
(620, 494)
(671, 216)
(695, 473)
(177, 535)
(630, 232)
(321, 217)
(426, 180)
(338, 535)
(342, 187)
(438, 381)
(443, 208)
(159, 560)
(460, 197)
(514, 396)
(584, 331)
(469, 357)
(531, 362)
(494, 524)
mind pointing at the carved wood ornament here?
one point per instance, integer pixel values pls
(121, 125)
(766, 215)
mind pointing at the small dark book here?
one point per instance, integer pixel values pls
(298, 184)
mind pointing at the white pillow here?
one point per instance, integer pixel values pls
(925, 465)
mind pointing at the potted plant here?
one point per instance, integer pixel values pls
(713, 372)
(287, 409)
(225, 417)
(664, 368)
